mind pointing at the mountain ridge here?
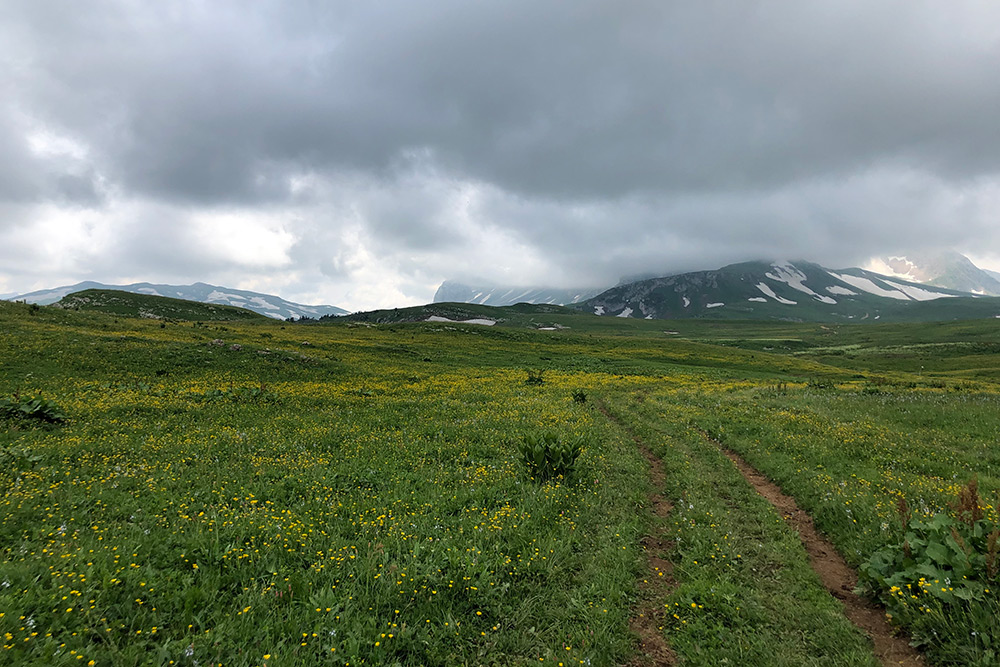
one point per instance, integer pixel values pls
(265, 304)
(453, 291)
(947, 269)
(794, 291)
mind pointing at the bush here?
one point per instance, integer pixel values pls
(580, 396)
(33, 408)
(946, 567)
(548, 456)
(535, 377)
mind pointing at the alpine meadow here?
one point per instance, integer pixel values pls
(191, 486)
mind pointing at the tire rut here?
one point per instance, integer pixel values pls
(650, 617)
(837, 576)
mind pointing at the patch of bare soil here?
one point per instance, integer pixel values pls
(650, 617)
(833, 571)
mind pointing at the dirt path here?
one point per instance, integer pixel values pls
(833, 571)
(650, 616)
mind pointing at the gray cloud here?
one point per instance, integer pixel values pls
(403, 143)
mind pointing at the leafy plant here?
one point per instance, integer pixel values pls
(548, 456)
(580, 396)
(535, 377)
(18, 457)
(32, 408)
(237, 394)
(944, 561)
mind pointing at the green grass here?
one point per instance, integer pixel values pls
(848, 457)
(746, 593)
(305, 469)
(129, 304)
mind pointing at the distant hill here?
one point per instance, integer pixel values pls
(265, 304)
(944, 269)
(799, 291)
(130, 304)
(528, 315)
(454, 291)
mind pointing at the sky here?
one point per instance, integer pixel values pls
(359, 153)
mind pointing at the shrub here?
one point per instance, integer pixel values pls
(548, 456)
(946, 565)
(535, 377)
(580, 396)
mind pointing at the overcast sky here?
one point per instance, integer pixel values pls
(359, 153)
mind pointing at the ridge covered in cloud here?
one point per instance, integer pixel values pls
(359, 153)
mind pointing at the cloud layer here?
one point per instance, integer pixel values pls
(360, 153)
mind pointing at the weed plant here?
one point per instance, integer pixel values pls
(31, 409)
(549, 456)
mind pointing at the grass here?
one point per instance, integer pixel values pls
(257, 492)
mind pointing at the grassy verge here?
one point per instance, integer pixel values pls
(746, 593)
(850, 458)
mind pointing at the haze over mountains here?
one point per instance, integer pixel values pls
(946, 269)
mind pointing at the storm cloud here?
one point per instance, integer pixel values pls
(360, 153)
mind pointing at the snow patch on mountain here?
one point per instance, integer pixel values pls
(625, 313)
(263, 303)
(866, 285)
(788, 274)
(766, 289)
(916, 293)
(841, 291)
(482, 321)
(714, 305)
(759, 299)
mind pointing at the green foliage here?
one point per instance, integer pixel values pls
(535, 377)
(548, 456)
(259, 394)
(31, 409)
(580, 396)
(945, 563)
(15, 457)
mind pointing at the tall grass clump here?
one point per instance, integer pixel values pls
(548, 456)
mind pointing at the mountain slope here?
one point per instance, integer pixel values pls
(800, 291)
(132, 304)
(265, 304)
(453, 291)
(945, 269)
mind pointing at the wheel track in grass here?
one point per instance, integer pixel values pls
(656, 585)
(834, 572)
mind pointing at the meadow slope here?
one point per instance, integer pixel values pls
(251, 493)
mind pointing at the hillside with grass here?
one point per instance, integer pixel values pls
(555, 488)
(130, 304)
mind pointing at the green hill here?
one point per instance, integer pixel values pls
(128, 304)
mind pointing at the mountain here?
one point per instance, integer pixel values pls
(944, 269)
(265, 304)
(799, 291)
(452, 291)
